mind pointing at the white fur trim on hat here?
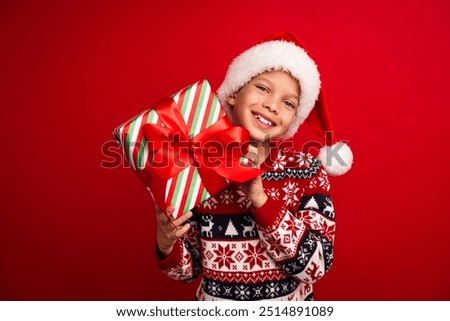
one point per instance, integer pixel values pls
(336, 159)
(274, 55)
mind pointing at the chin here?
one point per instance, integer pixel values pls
(263, 137)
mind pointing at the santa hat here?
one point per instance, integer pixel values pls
(284, 52)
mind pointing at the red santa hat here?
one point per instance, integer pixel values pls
(284, 52)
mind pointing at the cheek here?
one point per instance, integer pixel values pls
(237, 115)
(287, 121)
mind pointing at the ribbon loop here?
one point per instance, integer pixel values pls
(215, 151)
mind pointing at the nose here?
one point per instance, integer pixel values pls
(271, 105)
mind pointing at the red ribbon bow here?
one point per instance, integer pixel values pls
(215, 151)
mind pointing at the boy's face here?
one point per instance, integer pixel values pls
(266, 105)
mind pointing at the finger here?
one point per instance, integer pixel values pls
(169, 210)
(161, 217)
(182, 230)
(183, 218)
(164, 217)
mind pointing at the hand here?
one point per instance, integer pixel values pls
(254, 188)
(255, 192)
(168, 231)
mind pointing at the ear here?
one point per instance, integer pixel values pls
(231, 100)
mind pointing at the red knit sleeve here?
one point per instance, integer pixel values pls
(300, 239)
(183, 263)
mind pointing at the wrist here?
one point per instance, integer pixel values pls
(164, 251)
(260, 201)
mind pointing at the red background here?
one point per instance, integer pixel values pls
(72, 71)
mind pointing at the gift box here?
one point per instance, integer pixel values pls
(185, 148)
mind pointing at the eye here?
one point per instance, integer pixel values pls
(262, 88)
(290, 104)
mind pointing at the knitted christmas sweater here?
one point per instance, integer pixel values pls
(275, 252)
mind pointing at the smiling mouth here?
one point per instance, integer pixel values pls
(265, 122)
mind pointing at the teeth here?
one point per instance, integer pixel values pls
(263, 120)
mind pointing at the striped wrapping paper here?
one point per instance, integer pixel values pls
(200, 109)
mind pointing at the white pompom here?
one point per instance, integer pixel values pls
(337, 159)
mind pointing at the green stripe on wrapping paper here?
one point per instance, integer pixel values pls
(179, 183)
(185, 102)
(205, 195)
(129, 134)
(198, 110)
(129, 141)
(193, 191)
(214, 107)
(152, 118)
(140, 163)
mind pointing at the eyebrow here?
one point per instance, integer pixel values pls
(271, 83)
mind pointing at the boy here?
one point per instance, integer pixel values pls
(271, 238)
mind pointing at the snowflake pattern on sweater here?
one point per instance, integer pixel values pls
(275, 252)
